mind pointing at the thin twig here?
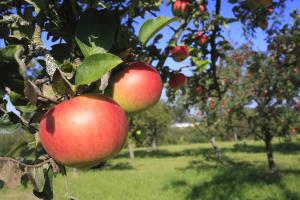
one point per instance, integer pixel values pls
(26, 165)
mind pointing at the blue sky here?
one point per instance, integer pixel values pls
(233, 32)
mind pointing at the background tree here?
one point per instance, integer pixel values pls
(89, 34)
(148, 127)
(267, 89)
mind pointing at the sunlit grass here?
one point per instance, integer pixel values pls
(186, 172)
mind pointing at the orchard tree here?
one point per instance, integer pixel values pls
(148, 127)
(266, 92)
(97, 66)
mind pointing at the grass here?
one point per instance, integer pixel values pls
(185, 172)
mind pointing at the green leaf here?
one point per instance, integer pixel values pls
(95, 66)
(152, 26)
(29, 108)
(17, 99)
(2, 93)
(8, 53)
(96, 31)
(61, 85)
(18, 149)
(31, 92)
(37, 4)
(200, 64)
(7, 126)
(37, 178)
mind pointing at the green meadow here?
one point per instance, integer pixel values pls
(184, 172)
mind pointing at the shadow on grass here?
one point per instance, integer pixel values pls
(285, 148)
(118, 166)
(234, 180)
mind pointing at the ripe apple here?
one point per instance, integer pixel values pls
(229, 110)
(200, 89)
(83, 131)
(177, 80)
(202, 8)
(293, 131)
(201, 37)
(181, 8)
(263, 23)
(179, 53)
(136, 87)
(224, 103)
(270, 9)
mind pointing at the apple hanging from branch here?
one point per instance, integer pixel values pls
(136, 87)
(179, 53)
(83, 131)
(177, 80)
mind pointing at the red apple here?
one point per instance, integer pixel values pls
(270, 9)
(224, 103)
(136, 87)
(201, 37)
(229, 110)
(200, 89)
(263, 23)
(181, 8)
(179, 53)
(297, 106)
(177, 80)
(202, 8)
(293, 131)
(83, 131)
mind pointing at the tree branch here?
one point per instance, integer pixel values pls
(175, 37)
(50, 160)
(214, 53)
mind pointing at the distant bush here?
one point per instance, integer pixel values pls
(182, 136)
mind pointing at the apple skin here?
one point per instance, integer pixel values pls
(293, 131)
(181, 8)
(177, 80)
(263, 23)
(201, 37)
(83, 131)
(136, 87)
(200, 89)
(270, 10)
(180, 53)
(202, 8)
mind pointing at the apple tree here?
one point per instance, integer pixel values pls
(96, 58)
(266, 93)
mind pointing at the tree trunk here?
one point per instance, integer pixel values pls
(215, 148)
(236, 139)
(131, 151)
(153, 145)
(269, 149)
